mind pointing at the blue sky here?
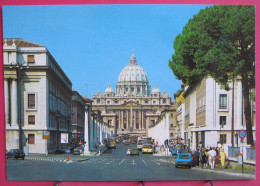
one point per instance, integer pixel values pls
(93, 43)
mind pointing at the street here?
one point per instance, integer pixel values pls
(113, 165)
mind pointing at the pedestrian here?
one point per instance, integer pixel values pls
(212, 157)
(203, 158)
(222, 158)
(196, 156)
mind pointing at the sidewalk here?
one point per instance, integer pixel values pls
(247, 173)
(63, 157)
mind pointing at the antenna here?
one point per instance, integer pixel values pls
(86, 90)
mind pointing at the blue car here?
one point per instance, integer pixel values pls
(183, 160)
(174, 151)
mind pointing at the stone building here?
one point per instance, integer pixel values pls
(78, 117)
(37, 98)
(207, 108)
(133, 106)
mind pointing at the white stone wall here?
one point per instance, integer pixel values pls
(160, 132)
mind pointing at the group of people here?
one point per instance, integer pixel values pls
(209, 157)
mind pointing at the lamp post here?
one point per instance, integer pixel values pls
(19, 104)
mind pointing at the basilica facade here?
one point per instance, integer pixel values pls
(133, 107)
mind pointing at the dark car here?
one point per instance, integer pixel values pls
(76, 151)
(15, 154)
(183, 160)
(134, 151)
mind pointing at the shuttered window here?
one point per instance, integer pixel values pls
(31, 139)
(31, 101)
(30, 59)
(31, 120)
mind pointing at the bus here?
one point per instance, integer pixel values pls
(110, 143)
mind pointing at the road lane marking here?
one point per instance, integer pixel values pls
(144, 162)
(121, 161)
(158, 163)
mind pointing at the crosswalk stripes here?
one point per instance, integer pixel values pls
(125, 162)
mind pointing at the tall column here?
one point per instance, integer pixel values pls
(14, 103)
(140, 120)
(6, 87)
(134, 119)
(127, 119)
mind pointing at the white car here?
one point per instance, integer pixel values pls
(128, 152)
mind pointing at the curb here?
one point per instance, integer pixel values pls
(47, 159)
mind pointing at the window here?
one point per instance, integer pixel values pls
(137, 125)
(171, 134)
(222, 120)
(31, 101)
(223, 101)
(31, 120)
(154, 102)
(132, 89)
(108, 102)
(30, 59)
(171, 114)
(146, 101)
(124, 125)
(164, 100)
(138, 90)
(221, 138)
(31, 139)
(171, 125)
(98, 100)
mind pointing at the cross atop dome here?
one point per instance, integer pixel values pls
(133, 58)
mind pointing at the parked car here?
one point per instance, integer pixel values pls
(183, 160)
(134, 151)
(76, 151)
(15, 154)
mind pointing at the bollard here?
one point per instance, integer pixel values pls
(68, 156)
(99, 151)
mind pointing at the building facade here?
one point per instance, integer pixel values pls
(208, 117)
(78, 117)
(37, 98)
(133, 107)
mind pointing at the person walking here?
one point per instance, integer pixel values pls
(196, 156)
(212, 157)
(222, 158)
(203, 158)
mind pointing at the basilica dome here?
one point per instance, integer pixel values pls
(133, 73)
(133, 80)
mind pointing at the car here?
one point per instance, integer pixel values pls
(15, 154)
(140, 145)
(134, 151)
(147, 148)
(174, 151)
(76, 151)
(183, 160)
(128, 152)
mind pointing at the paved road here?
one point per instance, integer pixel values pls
(113, 165)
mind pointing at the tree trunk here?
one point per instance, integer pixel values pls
(247, 110)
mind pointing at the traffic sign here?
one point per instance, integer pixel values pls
(67, 151)
(242, 134)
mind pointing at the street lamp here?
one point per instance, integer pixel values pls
(19, 104)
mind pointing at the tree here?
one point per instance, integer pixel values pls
(219, 41)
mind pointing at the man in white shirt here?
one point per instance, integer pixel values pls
(212, 156)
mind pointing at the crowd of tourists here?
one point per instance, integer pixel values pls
(209, 157)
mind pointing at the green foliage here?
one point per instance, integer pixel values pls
(239, 167)
(218, 41)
